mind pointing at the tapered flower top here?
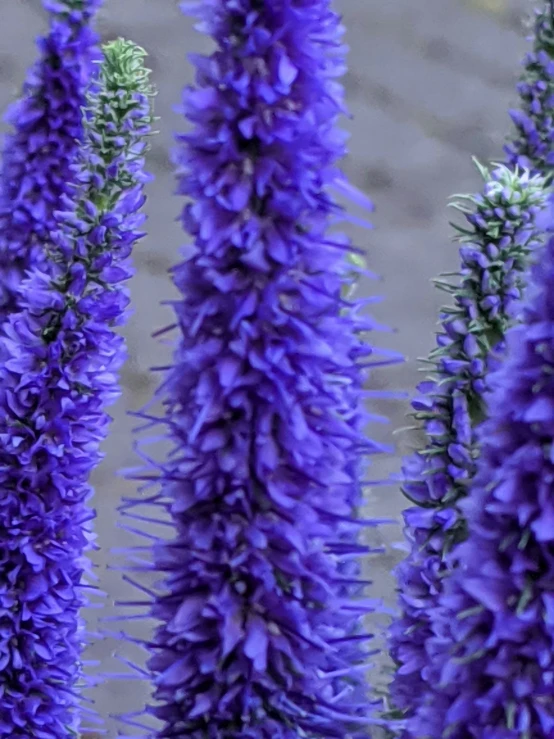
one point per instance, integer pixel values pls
(59, 372)
(533, 146)
(256, 632)
(46, 131)
(495, 251)
(495, 636)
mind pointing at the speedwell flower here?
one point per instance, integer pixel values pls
(59, 371)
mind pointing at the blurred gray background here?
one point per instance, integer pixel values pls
(429, 86)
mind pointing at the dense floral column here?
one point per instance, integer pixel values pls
(61, 357)
(493, 649)
(257, 636)
(496, 244)
(532, 147)
(41, 147)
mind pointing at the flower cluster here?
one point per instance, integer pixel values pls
(533, 147)
(496, 245)
(61, 357)
(257, 637)
(493, 645)
(47, 128)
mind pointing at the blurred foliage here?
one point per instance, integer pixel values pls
(491, 6)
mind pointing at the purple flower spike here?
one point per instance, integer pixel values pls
(495, 253)
(492, 647)
(59, 371)
(258, 634)
(46, 131)
(533, 146)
